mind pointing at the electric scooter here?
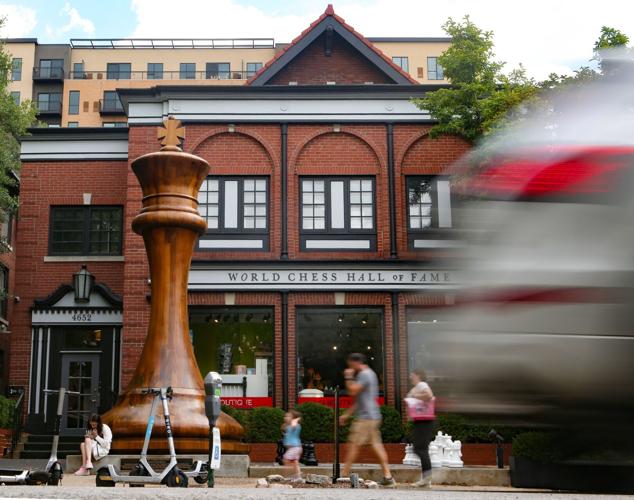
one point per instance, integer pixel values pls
(143, 473)
(53, 472)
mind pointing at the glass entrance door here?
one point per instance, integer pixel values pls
(80, 373)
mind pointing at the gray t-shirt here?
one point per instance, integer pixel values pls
(366, 405)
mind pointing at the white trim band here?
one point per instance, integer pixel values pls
(231, 244)
(338, 244)
(48, 149)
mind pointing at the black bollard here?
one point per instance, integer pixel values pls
(336, 467)
(499, 451)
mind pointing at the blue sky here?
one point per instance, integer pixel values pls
(543, 35)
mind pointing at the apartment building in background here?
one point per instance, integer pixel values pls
(74, 84)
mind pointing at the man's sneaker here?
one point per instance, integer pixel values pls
(387, 482)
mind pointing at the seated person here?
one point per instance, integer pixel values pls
(96, 444)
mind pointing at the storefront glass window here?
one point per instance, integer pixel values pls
(325, 337)
(236, 342)
(425, 345)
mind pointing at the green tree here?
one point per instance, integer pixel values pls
(14, 121)
(610, 38)
(480, 96)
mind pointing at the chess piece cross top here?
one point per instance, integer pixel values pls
(170, 134)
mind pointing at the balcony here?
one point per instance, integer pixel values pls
(49, 108)
(164, 75)
(48, 74)
(111, 107)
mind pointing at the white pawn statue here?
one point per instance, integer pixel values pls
(411, 458)
(447, 447)
(435, 455)
(456, 454)
(439, 440)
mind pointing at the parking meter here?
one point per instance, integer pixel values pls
(213, 389)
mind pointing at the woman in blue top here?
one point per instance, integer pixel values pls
(292, 441)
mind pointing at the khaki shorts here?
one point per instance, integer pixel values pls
(364, 432)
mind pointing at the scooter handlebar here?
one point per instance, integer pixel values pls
(55, 391)
(157, 390)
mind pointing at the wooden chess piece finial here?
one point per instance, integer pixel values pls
(171, 134)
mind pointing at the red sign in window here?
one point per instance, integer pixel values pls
(247, 403)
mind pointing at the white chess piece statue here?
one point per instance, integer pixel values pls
(410, 456)
(435, 455)
(456, 453)
(447, 450)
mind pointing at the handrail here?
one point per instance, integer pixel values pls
(53, 73)
(162, 75)
(18, 416)
(172, 43)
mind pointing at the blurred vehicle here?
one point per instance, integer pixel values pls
(543, 331)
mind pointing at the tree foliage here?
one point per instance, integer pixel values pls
(482, 98)
(480, 95)
(14, 121)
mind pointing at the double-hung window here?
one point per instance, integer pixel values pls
(73, 102)
(86, 230)
(78, 71)
(428, 210)
(253, 68)
(187, 71)
(15, 95)
(337, 213)
(434, 69)
(111, 102)
(154, 71)
(16, 69)
(118, 71)
(237, 212)
(49, 102)
(50, 69)
(402, 62)
(217, 71)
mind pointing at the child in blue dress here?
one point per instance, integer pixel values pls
(292, 442)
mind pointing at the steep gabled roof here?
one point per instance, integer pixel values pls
(330, 20)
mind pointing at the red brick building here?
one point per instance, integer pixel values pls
(326, 216)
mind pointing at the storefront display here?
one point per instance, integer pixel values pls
(425, 340)
(238, 343)
(325, 337)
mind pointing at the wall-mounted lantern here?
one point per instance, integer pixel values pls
(83, 282)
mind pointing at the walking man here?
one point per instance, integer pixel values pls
(363, 385)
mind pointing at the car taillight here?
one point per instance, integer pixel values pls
(559, 172)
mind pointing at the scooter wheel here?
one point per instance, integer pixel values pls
(138, 470)
(201, 478)
(55, 475)
(103, 478)
(177, 479)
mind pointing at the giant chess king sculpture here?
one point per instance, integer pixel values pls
(170, 225)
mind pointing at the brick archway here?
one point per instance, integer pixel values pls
(295, 155)
(270, 153)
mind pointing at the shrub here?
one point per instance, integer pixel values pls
(537, 446)
(242, 416)
(265, 425)
(7, 407)
(454, 425)
(392, 425)
(317, 422)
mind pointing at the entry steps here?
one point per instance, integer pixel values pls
(35, 446)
